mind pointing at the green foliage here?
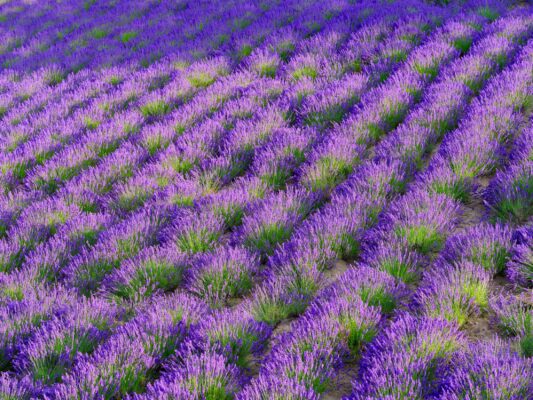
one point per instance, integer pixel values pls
(285, 50)
(377, 296)
(488, 13)
(526, 346)
(155, 108)
(244, 51)
(345, 246)
(268, 237)
(462, 44)
(133, 199)
(201, 79)
(306, 71)
(423, 238)
(90, 123)
(151, 275)
(430, 70)
(327, 173)
(115, 80)
(517, 209)
(267, 69)
(197, 241)
(155, 143)
(270, 311)
(232, 214)
(99, 33)
(459, 189)
(127, 37)
(90, 275)
(55, 78)
(400, 270)
(358, 333)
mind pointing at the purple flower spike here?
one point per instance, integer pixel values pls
(395, 258)
(423, 220)
(277, 387)
(13, 388)
(123, 362)
(272, 221)
(55, 346)
(408, 358)
(310, 354)
(233, 333)
(514, 317)
(443, 180)
(486, 245)
(523, 147)
(357, 320)
(331, 163)
(454, 292)
(275, 163)
(197, 232)
(223, 274)
(490, 370)
(510, 193)
(204, 376)
(154, 269)
(264, 63)
(520, 266)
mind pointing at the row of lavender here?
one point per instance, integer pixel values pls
(216, 196)
(88, 34)
(349, 313)
(49, 177)
(174, 385)
(108, 147)
(284, 39)
(35, 314)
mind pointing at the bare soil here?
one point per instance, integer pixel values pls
(342, 384)
(339, 267)
(257, 360)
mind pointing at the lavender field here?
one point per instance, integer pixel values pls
(266, 199)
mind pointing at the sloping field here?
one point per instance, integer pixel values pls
(255, 200)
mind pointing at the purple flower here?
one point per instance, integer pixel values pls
(454, 291)
(409, 358)
(197, 232)
(330, 104)
(520, 265)
(490, 369)
(271, 221)
(204, 376)
(442, 179)
(510, 192)
(330, 163)
(154, 269)
(233, 333)
(423, 220)
(486, 245)
(276, 162)
(226, 273)
(13, 388)
(310, 354)
(125, 362)
(513, 316)
(54, 348)
(275, 387)
(264, 63)
(395, 258)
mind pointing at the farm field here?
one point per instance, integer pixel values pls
(256, 200)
